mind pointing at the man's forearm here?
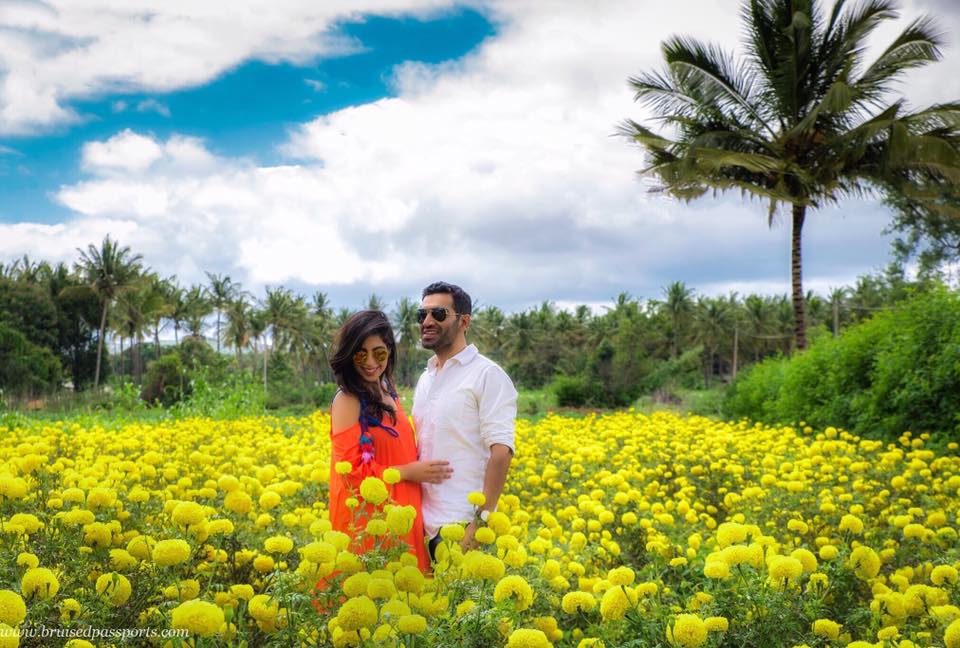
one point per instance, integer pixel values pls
(496, 475)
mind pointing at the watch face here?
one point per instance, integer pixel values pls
(484, 515)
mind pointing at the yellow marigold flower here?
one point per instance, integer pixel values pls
(97, 534)
(914, 531)
(238, 501)
(263, 607)
(865, 562)
(621, 576)
(411, 624)
(409, 579)
(69, 609)
(278, 544)
(716, 624)
(400, 519)
(343, 468)
(943, 574)
(483, 566)
(30, 523)
(27, 560)
(122, 559)
(242, 591)
(228, 483)
(687, 631)
(528, 638)
(39, 582)
(591, 642)
(616, 602)
(170, 552)
(373, 490)
(485, 535)
(851, 523)
(319, 552)
(391, 476)
(198, 617)
(465, 608)
(951, 636)
(477, 499)
(380, 589)
(826, 628)
(78, 643)
(264, 563)
(356, 584)
(452, 532)
(806, 558)
(9, 637)
(100, 498)
(716, 569)
(187, 513)
(358, 612)
(785, 568)
(12, 608)
(828, 552)
(114, 587)
(220, 527)
(270, 500)
(574, 602)
(890, 632)
(516, 588)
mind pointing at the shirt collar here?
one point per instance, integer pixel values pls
(468, 353)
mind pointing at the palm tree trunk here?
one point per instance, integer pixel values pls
(156, 341)
(218, 331)
(176, 334)
(103, 326)
(799, 315)
(736, 344)
(836, 319)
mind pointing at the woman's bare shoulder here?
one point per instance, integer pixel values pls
(344, 412)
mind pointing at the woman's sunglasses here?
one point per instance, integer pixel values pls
(439, 313)
(379, 355)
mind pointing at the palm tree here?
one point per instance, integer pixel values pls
(178, 307)
(407, 330)
(837, 299)
(801, 120)
(238, 331)
(375, 302)
(712, 319)
(198, 306)
(109, 271)
(678, 305)
(221, 291)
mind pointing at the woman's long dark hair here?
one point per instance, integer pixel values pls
(348, 341)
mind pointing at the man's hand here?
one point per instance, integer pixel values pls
(432, 472)
(468, 541)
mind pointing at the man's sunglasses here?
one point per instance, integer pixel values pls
(439, 313)
(379, 355)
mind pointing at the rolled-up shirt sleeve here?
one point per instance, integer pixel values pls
(497, 408)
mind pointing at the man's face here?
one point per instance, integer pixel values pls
(438, 335)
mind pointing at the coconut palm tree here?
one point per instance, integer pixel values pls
(407, 330)
(109, 272)
(678, 306)
(221, 292)
(198, 306)
(237, 332)
(800, 121)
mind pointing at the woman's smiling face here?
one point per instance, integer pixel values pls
(371, 358)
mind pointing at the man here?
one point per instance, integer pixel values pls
(463, 409)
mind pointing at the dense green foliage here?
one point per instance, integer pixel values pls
(898, 371)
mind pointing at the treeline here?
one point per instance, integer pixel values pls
(74, 327)
(897, 372)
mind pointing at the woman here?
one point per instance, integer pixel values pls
(369, 427)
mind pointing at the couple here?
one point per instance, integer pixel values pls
(464, 408)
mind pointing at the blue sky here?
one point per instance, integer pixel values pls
(374, 146)
(245, 112)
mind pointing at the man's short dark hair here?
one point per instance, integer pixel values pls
(461, 300)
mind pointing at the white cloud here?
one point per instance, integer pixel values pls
(152, 105)
(499, 171)
(60, 50)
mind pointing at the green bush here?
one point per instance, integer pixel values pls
(896, 372)
(165, 381)
(575, 391)
(25, 368)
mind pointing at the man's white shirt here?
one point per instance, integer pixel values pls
(459, 411)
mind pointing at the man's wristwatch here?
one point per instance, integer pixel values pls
(484, 516)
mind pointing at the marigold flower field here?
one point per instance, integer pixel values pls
(615, 530)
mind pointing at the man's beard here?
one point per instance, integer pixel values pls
(444, 339)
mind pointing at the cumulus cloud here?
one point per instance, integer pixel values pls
(499, 171)
(57, 51)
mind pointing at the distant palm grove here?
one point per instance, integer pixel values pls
(110, 319)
